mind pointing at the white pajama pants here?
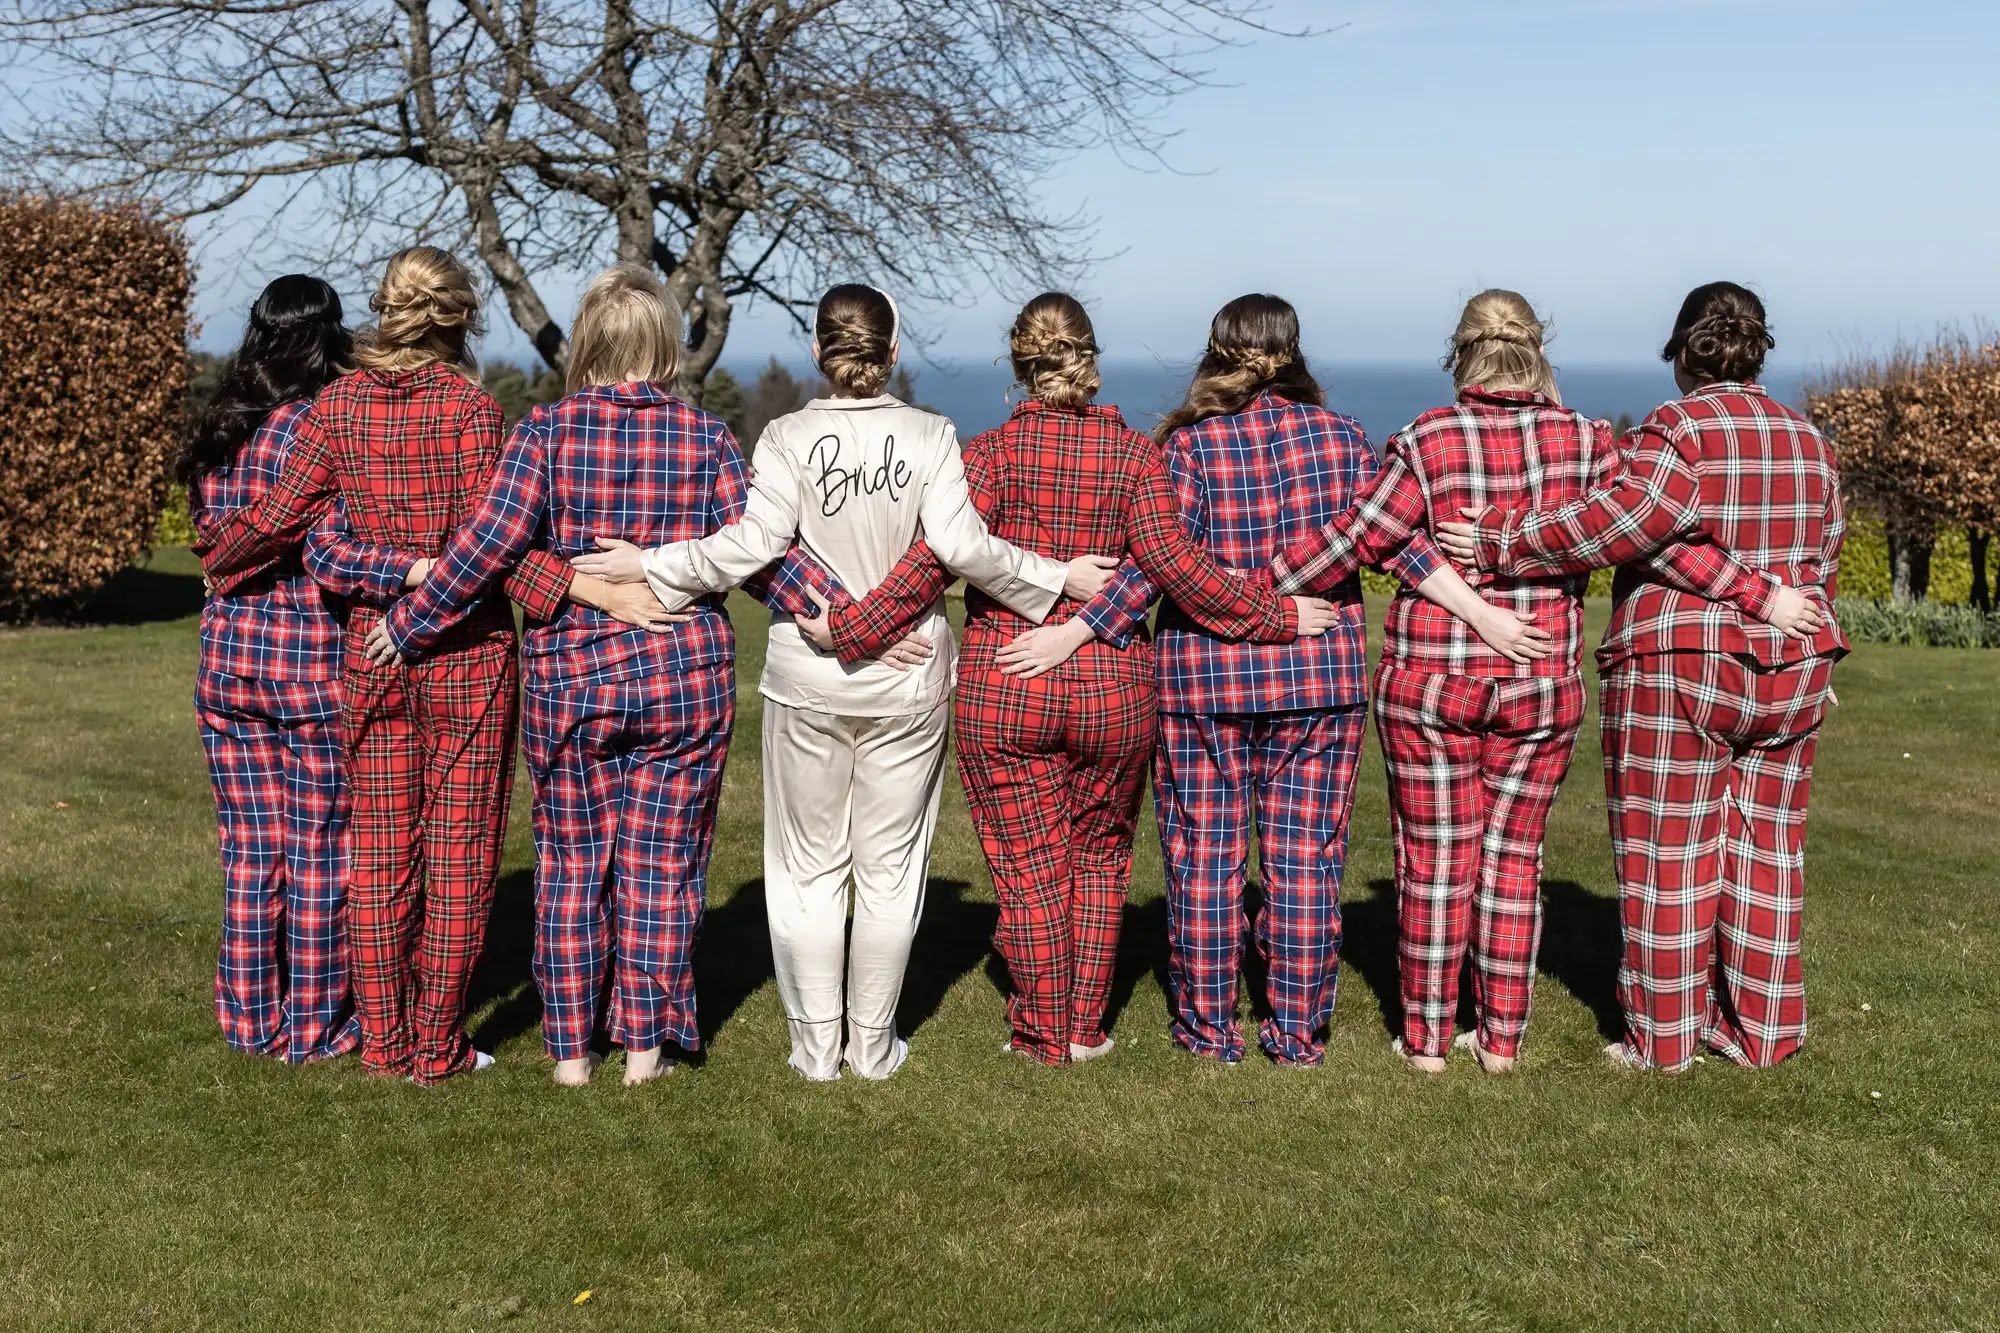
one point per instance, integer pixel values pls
(847, 797)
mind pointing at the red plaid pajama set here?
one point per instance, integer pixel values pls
(1710, 718)
(267, 696)
(429, 747)
(1476, 746)
(626, 731)
(1263, 735)
(1053, 766)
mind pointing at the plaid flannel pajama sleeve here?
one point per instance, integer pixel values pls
(1703, 568)
(1234, 607)
(345, 565)
(787, 585)
(510, 516)
(1654, 499)
(1384, 524)
(1114, 614)
(240, 545)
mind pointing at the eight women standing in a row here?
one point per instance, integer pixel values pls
(618, 515)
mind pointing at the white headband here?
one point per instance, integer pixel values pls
(895, 314)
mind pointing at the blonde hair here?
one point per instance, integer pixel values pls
(1499, 345)
(627, 329)
(1054, 351)
(856, 329)
(426, 313)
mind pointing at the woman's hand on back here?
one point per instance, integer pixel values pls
(1795, 613)
(614, 561)
(1316, 616)
(1513, 635)
(1089, 575)
(1042, 649)
(913, 649)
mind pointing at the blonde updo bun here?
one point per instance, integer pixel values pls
(856, 329)
(1499, 345)
(426, 313)
(1054, 351)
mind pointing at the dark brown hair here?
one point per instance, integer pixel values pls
(1720, 334)
(1054, 351)
(856, 327)
(1253, 347)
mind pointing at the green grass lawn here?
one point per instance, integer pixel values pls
(151, 1179)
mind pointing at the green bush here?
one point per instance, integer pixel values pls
(1922, 624)
(1864, 564)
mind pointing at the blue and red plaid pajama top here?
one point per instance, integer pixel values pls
(1258, 735)
(1710, 719)
(1477, 746)
(626, 731)
(1053, 766)
(267, 697)
(429, 746)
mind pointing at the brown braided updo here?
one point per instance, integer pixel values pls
(1253, 348)
(856, 330)
(1054, 350)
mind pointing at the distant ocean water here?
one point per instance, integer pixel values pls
(1383, 399)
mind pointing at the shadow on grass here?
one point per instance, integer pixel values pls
(1580, 947)
(732, 960)
(505, 973)
(1368, 948)
(956, 935)
(1142, 948)
(1581, 943)
(137, 596)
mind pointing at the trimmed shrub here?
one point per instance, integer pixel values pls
(1864, 563)
(1923, 624)
(93, 396)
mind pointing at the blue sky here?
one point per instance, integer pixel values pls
(1600, 156)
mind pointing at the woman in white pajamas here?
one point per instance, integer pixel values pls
(853, 755)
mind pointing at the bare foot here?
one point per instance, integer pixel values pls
(575, 1073)
(1491, 1063)
(1622, 1055)
(1423, 1064)
(645, 1066)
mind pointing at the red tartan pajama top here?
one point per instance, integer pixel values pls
(1068, 482)
(1725, 466)
(622, 460)
(1490, 447)
(278, 623)
(409, 454)
(1248, 484)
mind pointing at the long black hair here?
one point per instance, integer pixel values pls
(295, 346)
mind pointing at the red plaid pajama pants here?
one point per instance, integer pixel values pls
(1293, 773)
(430, 750)
(1707, 766)
(628, 776)
(1053, 769)
(281, 808)
(1474, 765)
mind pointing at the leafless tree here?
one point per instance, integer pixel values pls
(750, 149)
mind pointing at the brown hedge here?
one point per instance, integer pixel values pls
(94, 321)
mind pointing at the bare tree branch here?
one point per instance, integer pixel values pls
(749, 149)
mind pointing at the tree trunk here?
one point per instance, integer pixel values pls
(1909, 568)
(1978, 541)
